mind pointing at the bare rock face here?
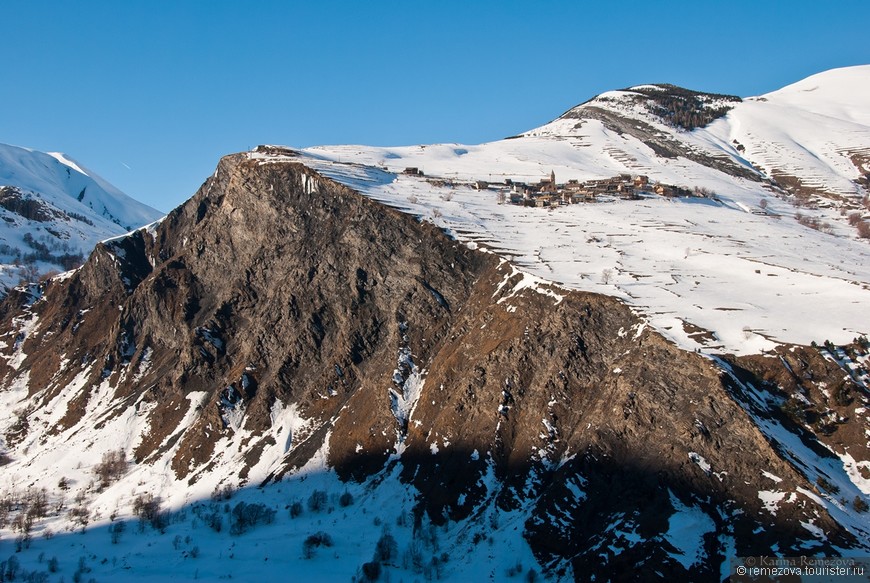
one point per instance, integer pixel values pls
(275, 286)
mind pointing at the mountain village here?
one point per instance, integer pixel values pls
(547, 192)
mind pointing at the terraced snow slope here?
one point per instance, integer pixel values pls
(750, 279)
(737, 264)
(817, 130)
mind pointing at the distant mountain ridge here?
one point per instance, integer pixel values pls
(683, 108)
(54, 211)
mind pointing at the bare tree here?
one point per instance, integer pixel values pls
(112, 467)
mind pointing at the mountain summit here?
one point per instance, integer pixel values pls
(404, 364)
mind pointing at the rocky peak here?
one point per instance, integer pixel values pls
(404, 356)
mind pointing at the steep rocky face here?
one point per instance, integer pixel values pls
(270, 273)
(275, 288)
(820, 391)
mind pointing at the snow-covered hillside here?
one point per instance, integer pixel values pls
(54, 211)
(150, 428)
(737, 262)
(816, 131)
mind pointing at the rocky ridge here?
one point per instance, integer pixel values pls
(409, 356)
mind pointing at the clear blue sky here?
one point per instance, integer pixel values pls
(149, 94)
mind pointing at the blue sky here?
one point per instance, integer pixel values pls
(149, 94)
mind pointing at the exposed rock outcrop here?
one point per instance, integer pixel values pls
(277, 287)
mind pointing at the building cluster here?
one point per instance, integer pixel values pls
(548, 192)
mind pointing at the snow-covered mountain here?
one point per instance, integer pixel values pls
(54, 211)
(813, 133)
(330, 366)
(776, 233)
(810, 138)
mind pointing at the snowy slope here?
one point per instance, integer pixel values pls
(816, 130)
(61, 208)
(838, 93)
(810, 132)
(737, 264)
(193, 537)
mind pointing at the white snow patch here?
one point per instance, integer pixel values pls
(700, 461)
(771, 499)
(814, 530)
(853, 470)
(770, 476)
(527, 281)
